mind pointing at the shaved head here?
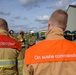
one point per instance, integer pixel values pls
(59, 18)
(3, 24)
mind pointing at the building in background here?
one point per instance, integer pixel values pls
(42, 33)
(71, 25)
(70, 32)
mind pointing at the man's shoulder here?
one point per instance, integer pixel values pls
(6, 41)
(45, 44)
(48, 49)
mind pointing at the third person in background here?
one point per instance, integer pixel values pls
(11, 32)
(21, 38)
(32, 39)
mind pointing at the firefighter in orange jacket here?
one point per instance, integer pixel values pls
(11, 59)
(55, 55)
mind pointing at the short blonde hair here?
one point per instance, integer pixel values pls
(60, 18)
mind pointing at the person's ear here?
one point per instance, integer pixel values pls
(6, 28)
(49, 22)
(65, 27)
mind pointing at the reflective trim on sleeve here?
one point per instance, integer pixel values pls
(20, 62)
(7, 63)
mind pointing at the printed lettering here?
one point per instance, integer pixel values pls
(55, 56)
(37, 57)
(7, 43)
(48, 57)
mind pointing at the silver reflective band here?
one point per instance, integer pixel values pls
(4, 63)
(20, 62)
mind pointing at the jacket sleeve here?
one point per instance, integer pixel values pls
(20, 63)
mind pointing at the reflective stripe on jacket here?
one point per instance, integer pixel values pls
(20, 62)
(10, 63)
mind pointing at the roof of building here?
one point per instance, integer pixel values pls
(74, 6)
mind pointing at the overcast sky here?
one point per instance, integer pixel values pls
(30, 14)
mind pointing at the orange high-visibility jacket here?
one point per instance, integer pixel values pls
(51, 51)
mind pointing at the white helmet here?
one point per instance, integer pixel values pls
(31, 32)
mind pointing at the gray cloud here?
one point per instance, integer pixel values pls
(27, 28)
(33, 3)
(62, 4)
(18, 27)
(74, 3)
(42, 27)
(42, 19)
(4, 13)
(24, 18)
(16, 17)
(12, 20)
(19, 17)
